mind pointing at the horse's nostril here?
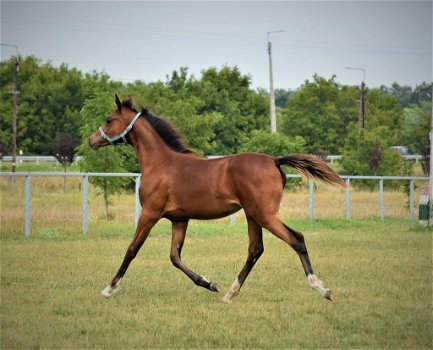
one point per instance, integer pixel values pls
(93, 145)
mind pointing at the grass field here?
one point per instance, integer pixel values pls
(380, 273)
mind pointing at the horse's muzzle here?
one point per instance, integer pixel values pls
(93, 144)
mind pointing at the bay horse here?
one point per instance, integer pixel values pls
(179, 186)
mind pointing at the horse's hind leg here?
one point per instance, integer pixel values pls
(255, 250)
(178, 237)
(296, 241)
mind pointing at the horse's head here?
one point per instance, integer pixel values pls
(116, 127)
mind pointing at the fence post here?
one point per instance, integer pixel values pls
(137, 199)
(411, 199)
(381, 200)
(232, 219)
(85, 203)
(348, 198)
(28, 202)
(310, 198)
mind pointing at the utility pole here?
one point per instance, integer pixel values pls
(361, 116)
(362, 106)
(271, 85)
(14, 93)
(430, 222)
(15, 115)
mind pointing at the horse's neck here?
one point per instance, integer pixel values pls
(151, 150)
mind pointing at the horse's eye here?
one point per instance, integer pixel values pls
(108, 121)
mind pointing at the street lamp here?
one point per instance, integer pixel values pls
(15, 115)
(271, 84)
(361, 118)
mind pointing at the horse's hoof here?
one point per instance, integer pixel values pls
(105, 293)
(328, 295)
(226, 300)
(214, 287)
(109, 291)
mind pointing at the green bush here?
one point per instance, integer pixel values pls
(273, 144)
(367, 153)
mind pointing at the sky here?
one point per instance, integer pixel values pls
(145, 40)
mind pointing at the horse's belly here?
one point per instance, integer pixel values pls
(203, 213)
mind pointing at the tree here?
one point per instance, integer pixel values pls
(64, 150)
(384, 116)
(275, 144)
(415, 132)
(367, 153)
(105, 160)
(228, 93)
(407, 96)
(49, 102)
(282, 97)
(321, 112)
(402, 93)
(422, 93)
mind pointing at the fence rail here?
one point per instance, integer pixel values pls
(137, 176)
(37, 159)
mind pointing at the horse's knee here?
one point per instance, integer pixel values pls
(256, 254)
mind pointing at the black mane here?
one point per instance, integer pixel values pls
(163, 128)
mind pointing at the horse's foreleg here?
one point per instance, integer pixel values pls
(296, 241)
(255, 250)
(145, 223)
(178, 237)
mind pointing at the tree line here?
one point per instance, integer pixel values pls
(220, 113)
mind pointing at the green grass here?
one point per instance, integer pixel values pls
(380, 273)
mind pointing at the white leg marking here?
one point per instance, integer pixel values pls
(205, 279)
(109, 290)
(233, 291)
(317, 284)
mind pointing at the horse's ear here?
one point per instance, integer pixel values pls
(118, 103)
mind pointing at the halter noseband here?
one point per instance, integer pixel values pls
(122, 136)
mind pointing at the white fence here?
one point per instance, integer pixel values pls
(85, 186)
(37, 159)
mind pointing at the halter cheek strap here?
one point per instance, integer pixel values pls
(122, 136)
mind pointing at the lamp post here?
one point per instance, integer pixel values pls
(271, 84)
(15, 115)
(361, 118)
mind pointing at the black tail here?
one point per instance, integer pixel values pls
(311, 167)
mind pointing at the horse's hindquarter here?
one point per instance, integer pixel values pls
(260, 183)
